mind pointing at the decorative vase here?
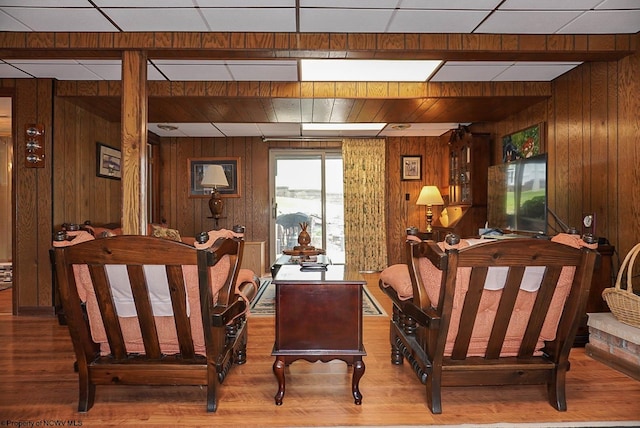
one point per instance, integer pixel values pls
(304, 239)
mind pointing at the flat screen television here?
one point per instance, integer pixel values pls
(517, 195)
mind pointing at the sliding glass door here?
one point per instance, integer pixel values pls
(306, 187)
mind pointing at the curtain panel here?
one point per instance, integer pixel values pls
(365, 203)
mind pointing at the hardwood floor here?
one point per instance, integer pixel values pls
(38, 384)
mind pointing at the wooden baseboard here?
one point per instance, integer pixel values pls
(612, 361)
(36, 311)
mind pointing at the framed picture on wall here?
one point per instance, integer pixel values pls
(232, 170)
(411, 167)
(108, 162)
(523, 144)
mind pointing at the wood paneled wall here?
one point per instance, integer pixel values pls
(189, 215)
(403, 212)
(6, 159)
(31, 216)
(78, 193)
(593, 144)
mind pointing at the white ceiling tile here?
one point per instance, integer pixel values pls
(435, 21)
(341, 133)
(46, 3)
(57, 69)
(280, 129)
(9, 23)
(468, 72)
(480, 63)
(154, 74)
(350, 4)
(281, 71)
(56, 19)
(143, 3)
(106, 69)
(344, 20)
(526, 22)
(244, 3)
(189, 62)
(450, 4)
(160, 19)
(549, 4)
(9, 72)
(533, 72)
(619, 4)
(199, 129)
(250, 19)
(239, 129)
(604, 22)
(188, 71)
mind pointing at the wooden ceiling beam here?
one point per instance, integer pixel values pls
(284, 90)
(477, 47)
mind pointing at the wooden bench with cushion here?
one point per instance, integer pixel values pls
(158, 312)
(489, 313)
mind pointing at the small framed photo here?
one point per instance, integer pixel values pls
(108, 162)
(232, 170)
(411, 167)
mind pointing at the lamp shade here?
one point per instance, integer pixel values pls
(430, 195)
(214, 176)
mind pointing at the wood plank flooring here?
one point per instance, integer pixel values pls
(38, 384)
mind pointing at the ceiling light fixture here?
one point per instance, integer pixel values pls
(363, 70)
(303, 139)
(167, 127)
(400, 126)
(343, 126)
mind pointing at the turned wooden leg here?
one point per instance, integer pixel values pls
(278, 370)
(358, 372)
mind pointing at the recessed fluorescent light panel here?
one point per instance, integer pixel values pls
(343, 126)
(361, 70)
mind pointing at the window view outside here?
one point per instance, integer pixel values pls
(301, 197)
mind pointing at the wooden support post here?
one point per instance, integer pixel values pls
(134, 142)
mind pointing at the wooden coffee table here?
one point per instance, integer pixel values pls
(318, 318)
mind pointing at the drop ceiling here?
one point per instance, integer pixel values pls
(546, 17)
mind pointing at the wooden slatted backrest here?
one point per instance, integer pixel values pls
(514, 255)
(136, 253)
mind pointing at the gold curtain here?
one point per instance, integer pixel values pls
(365, 202)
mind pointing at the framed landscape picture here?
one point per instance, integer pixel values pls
(525, 143)
(108, 162)
(232, 170)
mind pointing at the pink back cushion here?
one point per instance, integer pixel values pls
(431, 277)
(165, 325)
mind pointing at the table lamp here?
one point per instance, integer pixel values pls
(213, 177)
(429, 196)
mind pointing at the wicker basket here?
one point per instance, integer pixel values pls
(624, 304)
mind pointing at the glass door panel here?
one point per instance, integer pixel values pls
(306, 187)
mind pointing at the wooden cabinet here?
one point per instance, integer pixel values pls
(253, 257)
(468, 164)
